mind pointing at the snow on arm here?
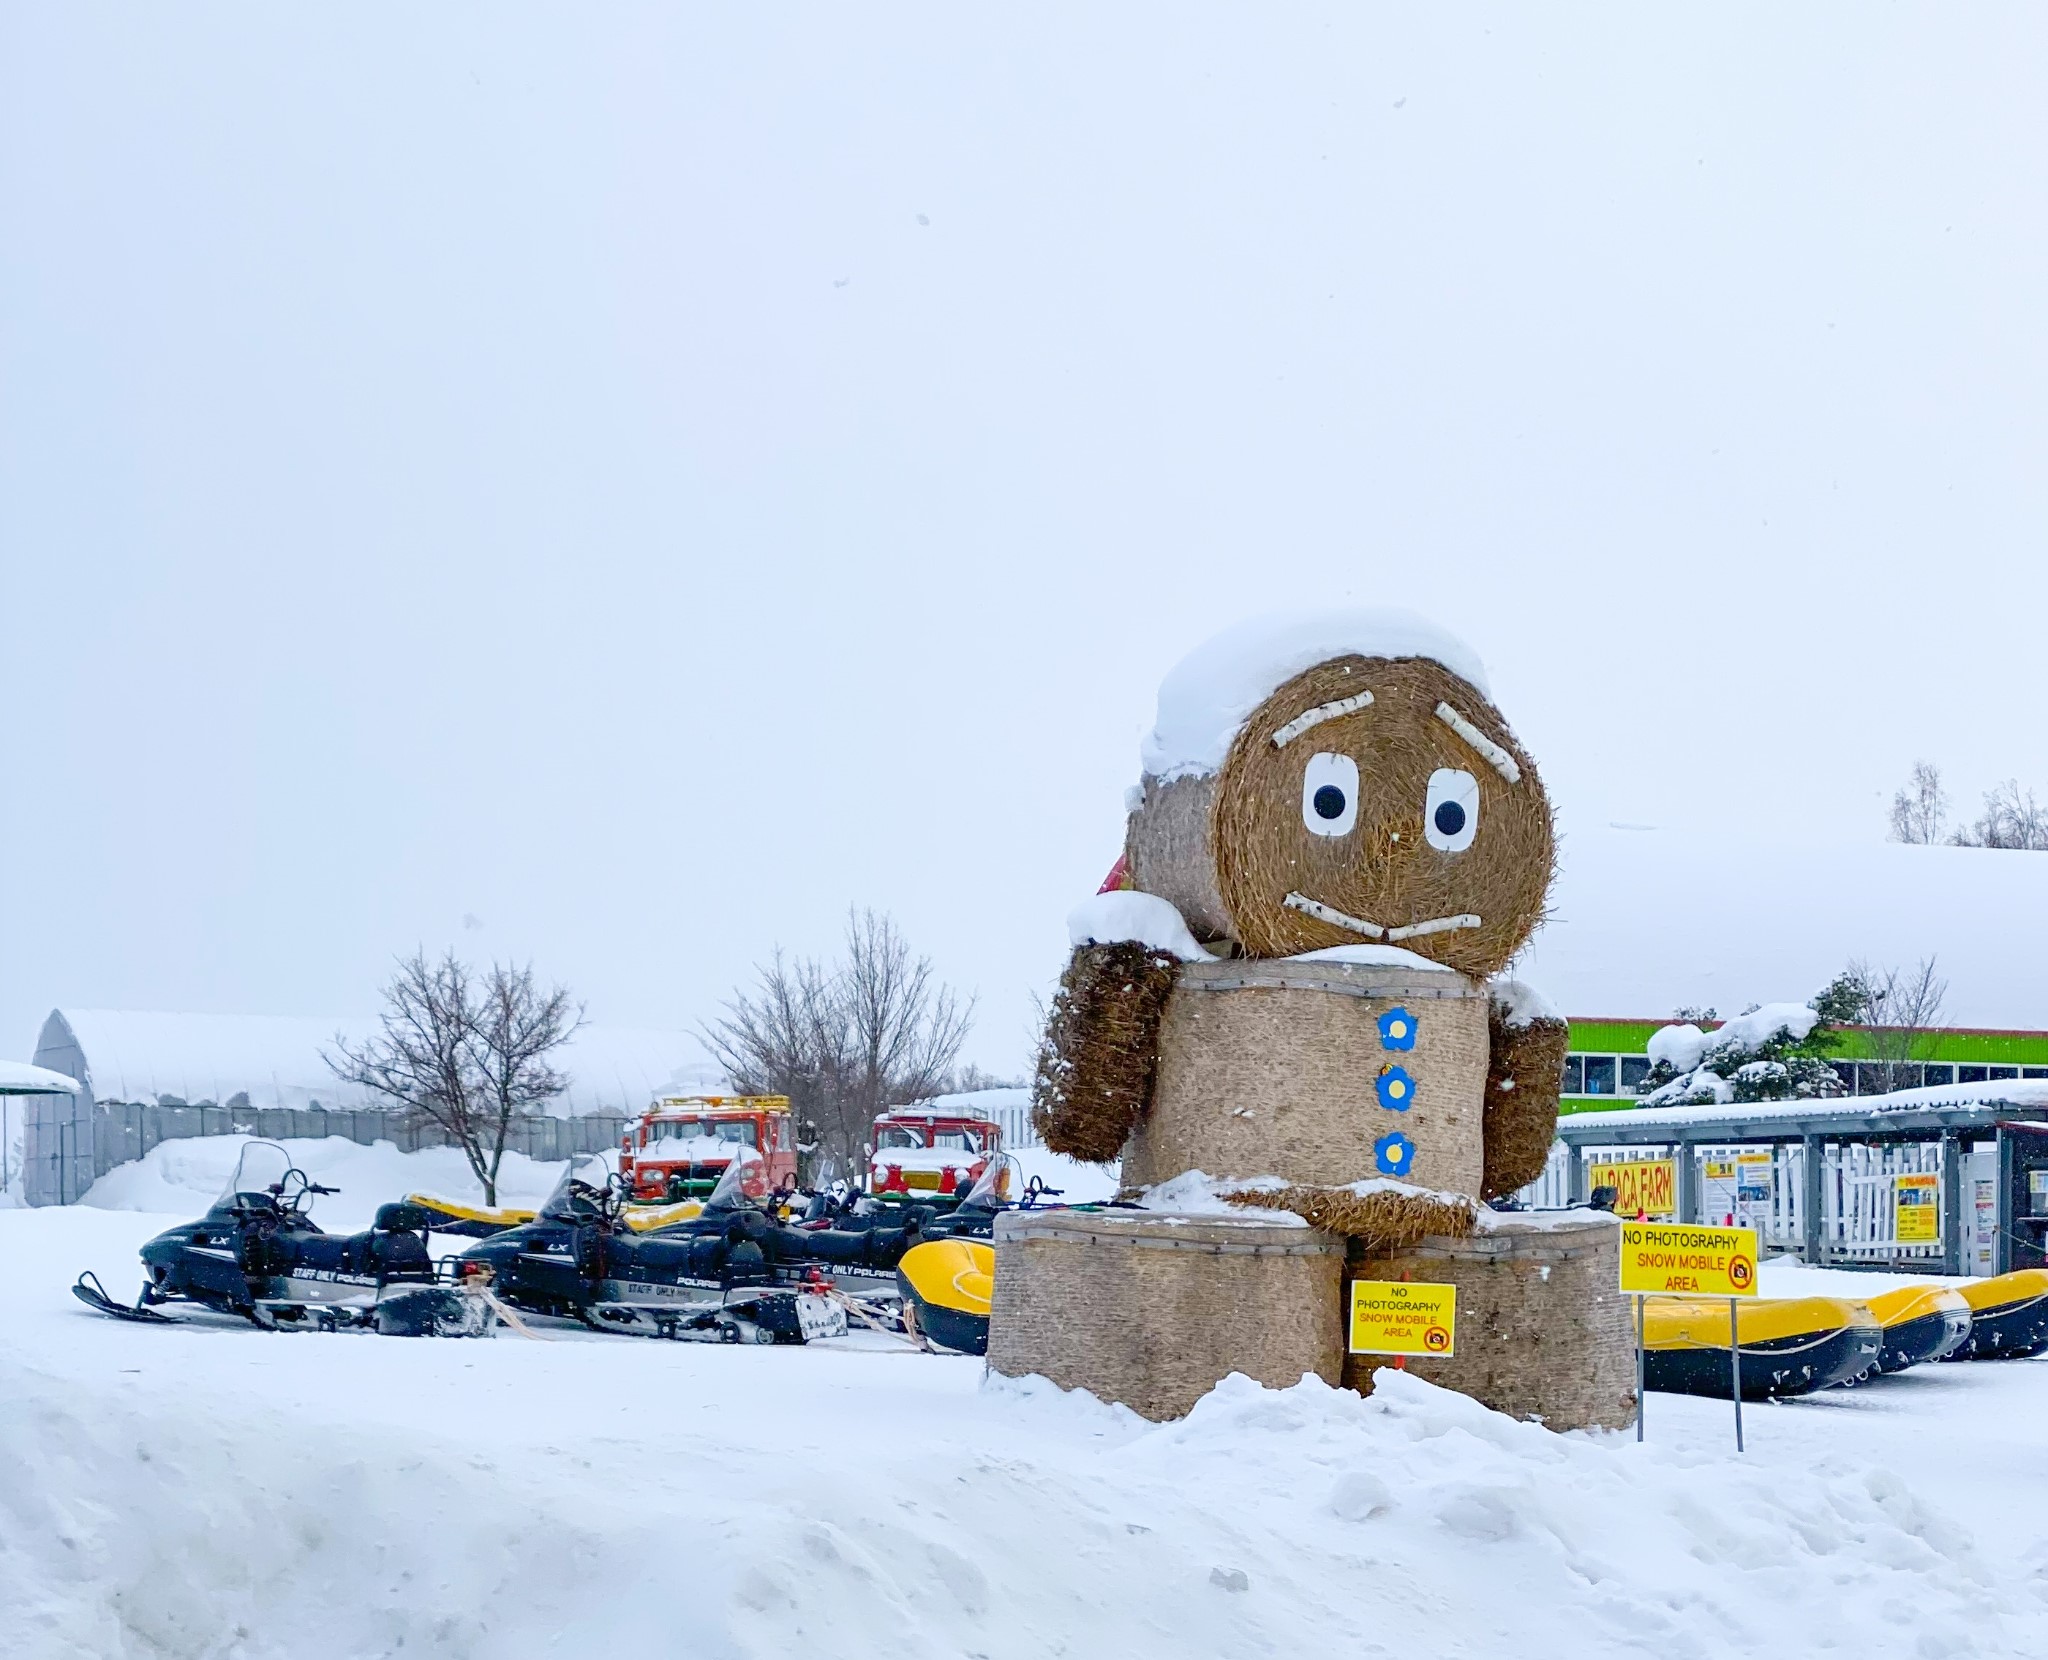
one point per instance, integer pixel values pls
(1522, 1004)
(1140, 918)
(1207, 696)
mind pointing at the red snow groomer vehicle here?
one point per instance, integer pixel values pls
(679, 1147)
(924, 1155)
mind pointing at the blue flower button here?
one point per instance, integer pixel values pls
(1397, 1029)
(1394, 1154)
(1396, 1088)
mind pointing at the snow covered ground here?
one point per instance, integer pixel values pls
(227, 1492)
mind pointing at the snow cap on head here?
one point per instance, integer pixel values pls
(1207, 696)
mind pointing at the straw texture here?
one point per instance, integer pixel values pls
(1375, 1221)
(1166, 849)
(1155, 1311)
(1524, 1074)
(1274, 1069)
(1384, 870)
(1099, 1055)
(1543, 1329)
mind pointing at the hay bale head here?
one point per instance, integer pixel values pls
(1381, 800)
(1317, 1072)
(1543, 1330)
(1155, 1311)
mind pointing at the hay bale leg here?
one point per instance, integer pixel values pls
(1155, 1311)
(1544, 1332)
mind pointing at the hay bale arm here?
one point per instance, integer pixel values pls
(1100, 1053)
(1525, 1070)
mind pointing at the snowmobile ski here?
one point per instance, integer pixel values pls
(90, 1292)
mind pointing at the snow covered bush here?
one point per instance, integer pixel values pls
(1771, 1052)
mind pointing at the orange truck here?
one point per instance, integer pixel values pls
(930, 1156)
(681, 1145)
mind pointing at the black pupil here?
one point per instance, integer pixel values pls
(1450, 818)
(1329, 802)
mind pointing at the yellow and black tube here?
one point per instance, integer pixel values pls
(1921, 1323)
(1790, 1345)
(2008, 1316)
(948, 1285)
(472, 1221)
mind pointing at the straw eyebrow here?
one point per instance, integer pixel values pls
(1316, 716)
(1496, 757)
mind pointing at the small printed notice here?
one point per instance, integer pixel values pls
(1403, 1317)
(1916, 1209)
(1677, 1260)
(1642, 1187)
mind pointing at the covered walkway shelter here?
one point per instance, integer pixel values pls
(1952, 1179)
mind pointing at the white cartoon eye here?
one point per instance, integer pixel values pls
(1329, 794)
(1450, 813)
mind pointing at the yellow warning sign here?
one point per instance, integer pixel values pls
(1702, 1262)
(1643, 1187)
(1916, 1209)
(1403, 1317)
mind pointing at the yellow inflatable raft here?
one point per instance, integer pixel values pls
(1921, 1322)
(1790, 1345)
(2008, 1316)
(948, 1286)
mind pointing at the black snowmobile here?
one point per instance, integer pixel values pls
(258, 1255)
(733, 1273)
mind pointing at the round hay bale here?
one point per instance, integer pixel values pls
(1166, 851)
(1294, 1069)
(1423, 732)
(1543, 1330)
(1154, 1310)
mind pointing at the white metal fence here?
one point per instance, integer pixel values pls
(1764, 1187)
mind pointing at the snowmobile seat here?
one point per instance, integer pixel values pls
(868, 1248)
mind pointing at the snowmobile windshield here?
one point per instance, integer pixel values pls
(260, 1168)
(744, 1185)
(991, 1190)
(577, 1195)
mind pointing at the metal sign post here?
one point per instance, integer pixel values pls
(1735, 1368)
(1679, 1260)
(1642, 1302)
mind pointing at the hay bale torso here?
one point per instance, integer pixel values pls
(1544, 1330)
(1155, 1310)
(1275, 1068)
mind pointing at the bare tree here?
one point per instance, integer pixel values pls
(515, 1026)
(844, 1042)
(2011, 818)
(1921, 807)
(1901, 1008)
(464, 1057)
(787, 1037)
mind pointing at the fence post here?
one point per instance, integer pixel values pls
(1951, 1202)
(1688, 1172)
(1810, 1187)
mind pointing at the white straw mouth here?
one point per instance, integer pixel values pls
(1372, 930)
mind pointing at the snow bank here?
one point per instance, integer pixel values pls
(181, 1178)
(1208, 694)
(1644, 921)
(180, 1493)
(1125, 915)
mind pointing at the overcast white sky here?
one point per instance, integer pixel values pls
(644, 479)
